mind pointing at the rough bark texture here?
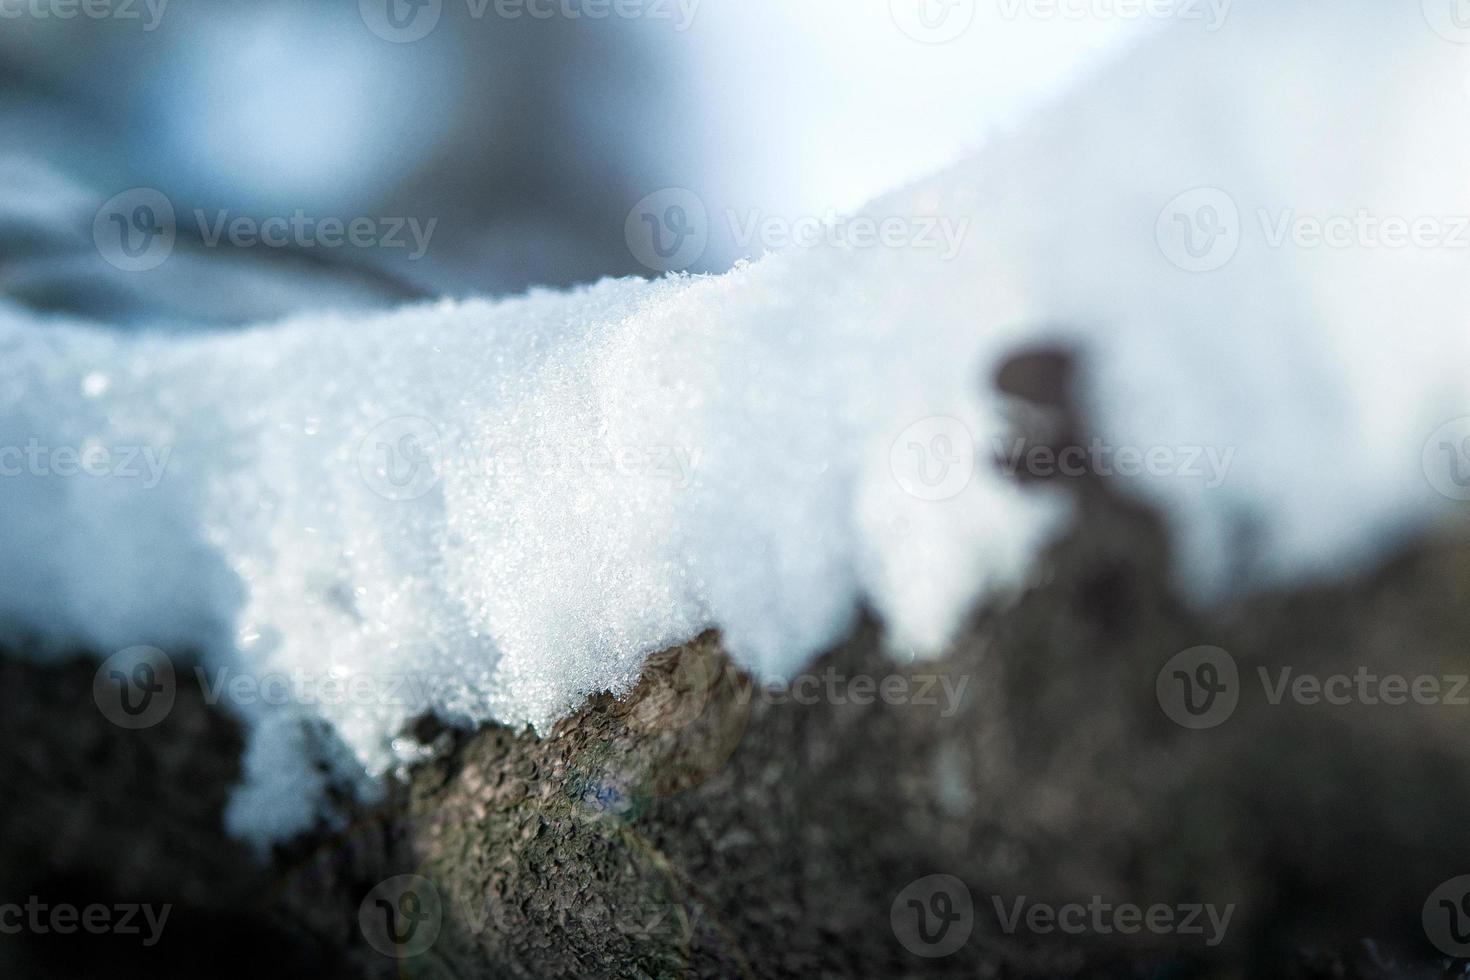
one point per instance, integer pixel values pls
(697, 828)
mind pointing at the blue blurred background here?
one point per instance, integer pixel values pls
(526, 138)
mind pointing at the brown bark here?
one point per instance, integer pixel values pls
(698, 828)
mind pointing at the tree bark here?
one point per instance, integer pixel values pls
(707, 826)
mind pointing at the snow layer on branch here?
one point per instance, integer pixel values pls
(493, 510)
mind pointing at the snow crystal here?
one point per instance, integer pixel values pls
(493, 510)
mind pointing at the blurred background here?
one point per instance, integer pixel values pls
(525, 130)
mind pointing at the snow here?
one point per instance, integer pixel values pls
(601, 474)
(491, 510)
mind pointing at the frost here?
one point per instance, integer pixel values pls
(491, 510)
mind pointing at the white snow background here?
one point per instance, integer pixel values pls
(514, 503)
